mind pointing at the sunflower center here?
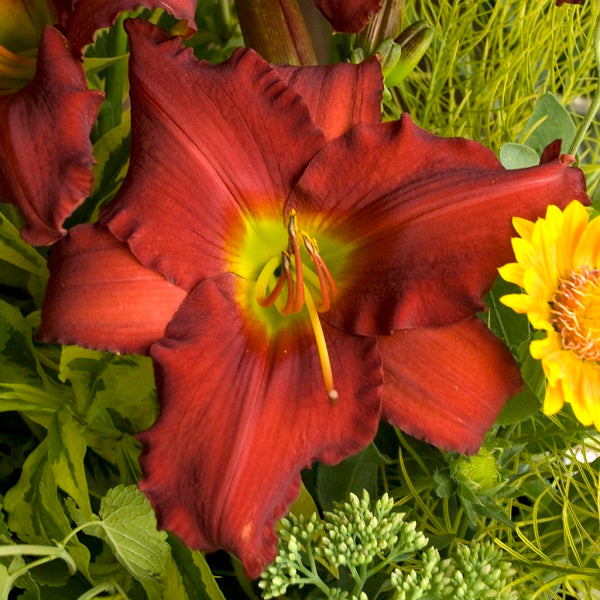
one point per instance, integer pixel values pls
(576, 313)
(289, 283)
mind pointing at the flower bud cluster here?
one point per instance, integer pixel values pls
(296, 536)
(356, 532)
(339, 594)
(475, 572)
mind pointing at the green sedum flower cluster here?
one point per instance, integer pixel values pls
(474, 572)
(353, 553)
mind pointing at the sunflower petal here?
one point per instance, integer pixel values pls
(241, 414)
(447, 385)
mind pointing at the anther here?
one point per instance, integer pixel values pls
(327, 288)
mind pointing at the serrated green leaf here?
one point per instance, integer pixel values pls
(129, 527)
(353, 474)
(66, 451)
(14, 250)
(549, 121)
(518, 156)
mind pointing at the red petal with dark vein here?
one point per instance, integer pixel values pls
(88, 16)
(348, 16)
(45, 151)
(211, 145)
(338, 96)
(429, 220)
(241, 415)
(447, 385)
(100, 296)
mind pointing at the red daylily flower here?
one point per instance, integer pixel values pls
(46, 109)
(348, 16)
(292, 281)
(561, 2)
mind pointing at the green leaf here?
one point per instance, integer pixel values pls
(29, 399)
(18, 360)
(531, 368)
(518, 156)
(93, 65)
(35, 513)
(115, 393)
(353, 474)
(519, 408)
(66, 452)
(192, 573)
(129, 528)
(14, 250)
(549, 121)
(509, 326)
(304, 504)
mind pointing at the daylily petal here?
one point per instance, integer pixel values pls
(45, 151)
(338, 96)
(447, 385)
(111, 302)
(88, 16)
(428, 229)
(201, 160)
(348, 16)
(241, 415)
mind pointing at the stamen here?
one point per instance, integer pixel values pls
(295, 248)
(262, 283)
(25, 61)
(322, 274)
(321, 348)
(286, 267)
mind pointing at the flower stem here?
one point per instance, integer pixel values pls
(595, 105)
(115, 79)
(276, 30)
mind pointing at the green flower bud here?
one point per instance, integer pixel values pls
(413, 42)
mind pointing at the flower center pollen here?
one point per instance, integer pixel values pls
(576, 313)
(288, 284)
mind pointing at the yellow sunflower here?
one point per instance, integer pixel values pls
(558, 267)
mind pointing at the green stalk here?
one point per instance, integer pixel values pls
(595, 106)
(277, 31)
(115, 79)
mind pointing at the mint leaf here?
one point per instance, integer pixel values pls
(129, 528)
